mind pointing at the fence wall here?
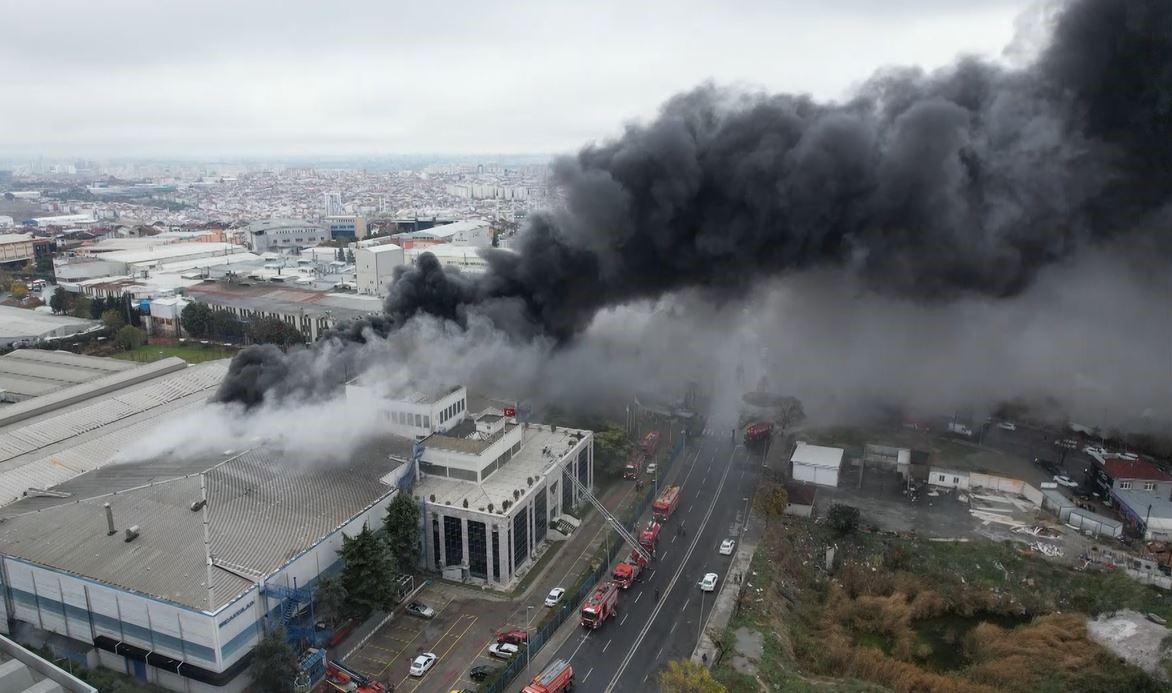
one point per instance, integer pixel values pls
(570, 606)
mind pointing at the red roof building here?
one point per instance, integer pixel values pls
(1137, 468)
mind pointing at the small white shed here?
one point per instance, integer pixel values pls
(816, 464)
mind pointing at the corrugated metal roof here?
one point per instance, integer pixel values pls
(262, 512)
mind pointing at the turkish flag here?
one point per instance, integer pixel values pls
(510, 412)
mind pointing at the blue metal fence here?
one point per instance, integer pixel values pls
(569, 607)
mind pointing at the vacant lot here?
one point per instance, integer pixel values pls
(917, 615)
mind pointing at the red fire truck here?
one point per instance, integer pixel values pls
(628, 571)
(758, 432)
(600, 605)
(649, 536)
(666, 504)
(558, 677)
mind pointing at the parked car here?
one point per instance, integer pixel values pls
(1093, 450)
(555, 595)
(420, 609)
(1066, 481)
(423, 663)
(503, 650)
(515, 636)
(1007, 426)
(708, 584)
(481, 672)
(651, 468)
(727, 546)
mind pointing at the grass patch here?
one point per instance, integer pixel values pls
(191, 353)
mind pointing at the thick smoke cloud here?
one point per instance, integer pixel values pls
(943, 187)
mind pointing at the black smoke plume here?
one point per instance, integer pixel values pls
(933, 186)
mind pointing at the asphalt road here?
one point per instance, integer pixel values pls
(624, 654)
(1033, 443)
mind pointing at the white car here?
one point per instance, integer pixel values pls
(1066, 481)
(1092, 450)
(1007, 426)
(708, 584)
(423, 663)
(727, 546)
(651, 468)
(554, 596)
(503, 650)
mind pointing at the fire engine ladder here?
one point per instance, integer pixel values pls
(611, 519)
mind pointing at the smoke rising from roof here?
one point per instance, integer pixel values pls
(925, 190)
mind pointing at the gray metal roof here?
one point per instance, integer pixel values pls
(33, 372)
(262, 512)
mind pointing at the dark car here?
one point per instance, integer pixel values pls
(481, 672)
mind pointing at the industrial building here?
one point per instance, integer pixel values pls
(29, 373)
(16, 248)
(311, 312)
(342, 226)
(276, 234)
(23, 671)
(117, 259)
(473, 232)
(375, 267)
(492, 488)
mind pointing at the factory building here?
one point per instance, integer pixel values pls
(275, 234)
(492, 488)
(16, 248)
(174, 581)
(473, 232)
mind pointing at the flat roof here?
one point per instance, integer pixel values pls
(384, 248)
(817, 455)
(279, 223)
(279, 298)
(22, 323)
(15, 237)
(541, 448)
(172, 250)
(262, 512)
(1138, 501)
(31, 372)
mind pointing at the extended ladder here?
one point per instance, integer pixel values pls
(611, 519)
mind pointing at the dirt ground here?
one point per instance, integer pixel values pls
(1130, 635)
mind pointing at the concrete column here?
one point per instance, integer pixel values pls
(531, 523)
(443, 549)
(467, 557)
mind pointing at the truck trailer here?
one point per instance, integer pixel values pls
(666, 504)
(600, 605)
(558, 677)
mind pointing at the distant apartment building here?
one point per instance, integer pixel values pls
(279, 234)
(375, 267)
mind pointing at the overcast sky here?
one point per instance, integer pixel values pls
(308, 77)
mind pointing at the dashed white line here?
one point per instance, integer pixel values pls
(607, 644)
(689, 510)
(581, 644)
(621, 622)
(651, 575)
(663, 556)
(587, 675)
(636, 601)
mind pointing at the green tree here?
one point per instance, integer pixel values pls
(129, 338)
(225, 325)
(113, 319)
(369, 573)
(274, 331)
(196, 319)
(843, 519)
(401, 525)
(44, 266)
(274, 664)
(611, 446)
(97, 307)
(790, 413)
(329, 600)
(59, 301)
(686, 676)
(350, 256)
(18, 289)
(81, 307)
(340, 255)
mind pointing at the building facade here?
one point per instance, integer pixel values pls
(280, 234)
(375, 267)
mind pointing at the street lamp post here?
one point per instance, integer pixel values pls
(700, 621)
(528, 644)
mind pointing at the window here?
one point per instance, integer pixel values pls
(477, 550)
(540, 517)
(418, 421)
(427, 421)
(941, 479)
(1149, 486)
(1124, 485)
(496, 550)
(521, 537)
(453, 541)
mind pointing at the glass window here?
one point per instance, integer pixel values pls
(477, 550)
(453, 541)
(435, 542)
(496, 551)
(1125, 485)
(1149, 486)
(567, 494)
(521, 537)
(540, 519)
(418, 421)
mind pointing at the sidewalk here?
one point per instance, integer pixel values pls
(706, 651)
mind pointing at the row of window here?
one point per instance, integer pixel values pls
(1148, 485)
(406, 418)
(451, 410)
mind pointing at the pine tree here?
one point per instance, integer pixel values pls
(274, 665)
(368, 577)
(401, 525)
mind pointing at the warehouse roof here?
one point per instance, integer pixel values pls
(817, 455)
(261, 511)
(281, 299)
(54, 445)
(21, 323)
(26, 373)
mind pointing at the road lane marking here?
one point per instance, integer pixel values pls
(624, 620)
(636, 599)
(608, 642)
(580, 644)
(626, 661)
(664, 556)
(651, 575)
(693, 504)
(587, 675)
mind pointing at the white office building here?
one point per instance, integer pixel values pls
(277, 234)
